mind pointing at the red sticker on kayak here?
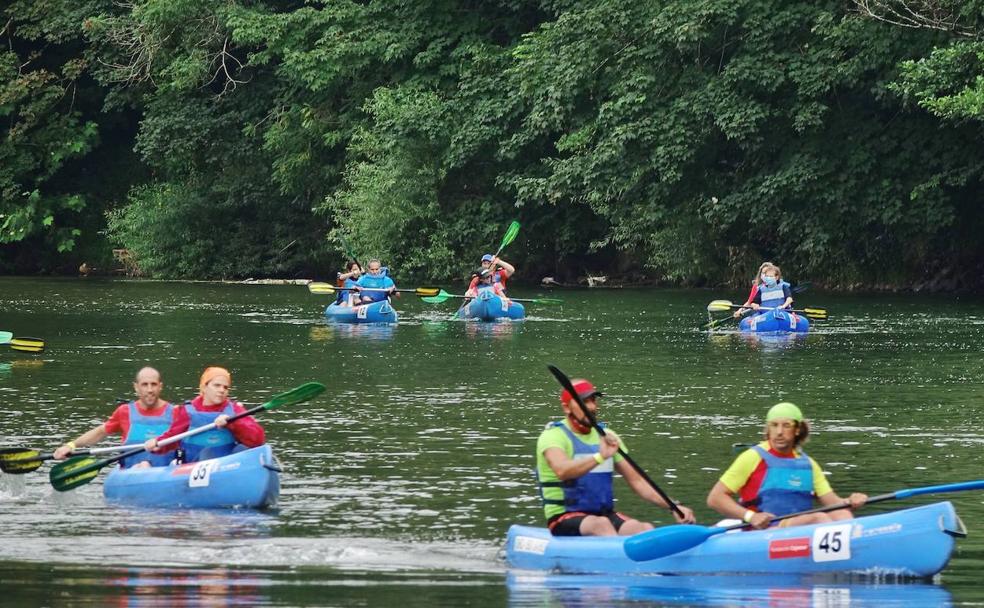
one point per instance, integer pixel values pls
(789, 547)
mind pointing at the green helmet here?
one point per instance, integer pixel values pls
(784, 410)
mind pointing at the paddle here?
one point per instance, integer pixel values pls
(668, 540)
(819, 314)
(5, 337)
(18, 461)
(569, 387)
(81, 470)
(442, 296)
(27, 345)
(328, 288)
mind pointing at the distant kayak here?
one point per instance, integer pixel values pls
(488, 307)
(246, 479)
(377, 312)
(915, 542)
(775, 321)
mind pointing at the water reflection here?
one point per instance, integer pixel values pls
(774, 591)
(764, 341)
(501, 329)
(348, 331)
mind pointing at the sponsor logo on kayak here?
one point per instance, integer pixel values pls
(789, 547)
(889, 529)
(528, 544)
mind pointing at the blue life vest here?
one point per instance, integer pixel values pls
(787, 486)
(344, 293)
(590, 493)
(218, 442)
(142, 428)
(773, 297)
(378, 282)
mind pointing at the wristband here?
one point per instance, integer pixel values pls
(599, 458)
(749, 514)
(71, 445)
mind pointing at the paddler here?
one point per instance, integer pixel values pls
(146, 416)
(376, 280)
(348, 280)
(776, 477)
(483, 276)
(575, 465)
(211, 405)
(501, 270)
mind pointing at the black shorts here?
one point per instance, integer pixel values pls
(569, 524)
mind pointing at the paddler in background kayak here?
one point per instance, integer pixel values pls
(574, 467)
(756, 282)
(347, 281)
(211, 405)
(146, 416)
(776, 477)
(501, 271)
(375, 279)
(483, 280)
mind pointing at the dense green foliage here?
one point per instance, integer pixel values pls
(689, 139)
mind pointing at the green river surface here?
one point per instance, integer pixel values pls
(403, 478)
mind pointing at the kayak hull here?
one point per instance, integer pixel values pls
(246, 479)
(775, 321)
(489, 307)
(377, 312)
(915, 542)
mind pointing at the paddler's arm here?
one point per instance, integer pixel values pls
(247, 431)
(90, 437)
(721, 500)
(180, 423)
(854, 501)
(567, 468)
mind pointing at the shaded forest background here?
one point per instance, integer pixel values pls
(677, 141)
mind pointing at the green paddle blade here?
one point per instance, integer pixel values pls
(76, 472)
(18, 461)
(27, 345)
(5, 337)
(510, 235)
(719, 306)
(550, 301)
(306, 391)
(442, 296)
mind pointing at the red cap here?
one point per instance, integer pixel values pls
(584, 388)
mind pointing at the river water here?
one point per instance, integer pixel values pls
(402, 479)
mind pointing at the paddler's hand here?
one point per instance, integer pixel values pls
(761, 521)
(688, 515)
(221, 421)
(608, 446)
(857, 500)
(63, 452)
(756, 306)
(151, 444)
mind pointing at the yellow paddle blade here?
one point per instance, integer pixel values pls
(719, 306)
(819, 312)
(321, 288)
(27, 345)
(427, 291)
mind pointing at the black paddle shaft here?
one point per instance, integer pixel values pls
(566, 383)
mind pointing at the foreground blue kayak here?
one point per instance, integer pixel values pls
(775, 321)
(377, 312)
(247, 479)
(913, 542)
(488, 307)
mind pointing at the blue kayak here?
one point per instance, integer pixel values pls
(488, 307)
(247, 479)
(775, 321)
(913, 542)
(377, 312)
